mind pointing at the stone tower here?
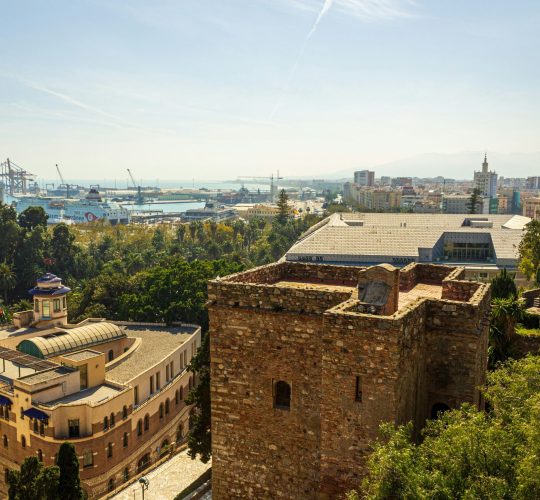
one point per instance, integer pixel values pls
(308, 360)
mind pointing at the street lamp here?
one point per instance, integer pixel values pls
(144, 484)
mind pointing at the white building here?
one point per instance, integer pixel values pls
(486, 181)
(364, 178)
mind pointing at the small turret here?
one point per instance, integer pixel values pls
(50, 305)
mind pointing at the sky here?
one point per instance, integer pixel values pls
(215, 89)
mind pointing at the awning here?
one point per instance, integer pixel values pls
(35, 413)
(5, 401)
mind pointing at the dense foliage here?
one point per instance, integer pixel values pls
(503, 286)
(529, 250)
(467, 453)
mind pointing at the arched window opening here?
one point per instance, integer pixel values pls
(176, 397)
(36, 426)
(40, 455)
(146, 422)
(167, 406)
(160, 410)
(139, 428)
(105, 423)
(437, 409)
(5, 438)
(23, 441)
(282, 395)
(109, 450)
(164, 448)
(111, 355)
(181, 393)
(125, 440)
(110, 486)
(125, 475)
(112, 419)
(125, 412)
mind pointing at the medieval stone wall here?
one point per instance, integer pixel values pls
(260, 451)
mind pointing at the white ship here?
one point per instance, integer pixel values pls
(88, 209)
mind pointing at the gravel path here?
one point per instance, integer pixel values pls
(167, 480)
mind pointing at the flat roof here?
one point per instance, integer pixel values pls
(81, 355)
(94, 395)
(46, 375)
(356, 237)
(157, 343)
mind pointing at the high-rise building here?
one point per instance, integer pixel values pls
(364, 178)
(533, 182)
(486, 181)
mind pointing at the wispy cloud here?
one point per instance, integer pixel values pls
(365, 10)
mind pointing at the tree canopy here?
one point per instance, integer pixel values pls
(467, 453)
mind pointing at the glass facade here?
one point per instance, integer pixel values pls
(467, 251)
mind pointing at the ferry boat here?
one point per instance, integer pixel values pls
(88, 209)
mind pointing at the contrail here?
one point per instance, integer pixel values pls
(325, 8)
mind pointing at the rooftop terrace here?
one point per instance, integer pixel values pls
(157, 342)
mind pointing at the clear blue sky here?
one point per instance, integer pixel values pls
(177, 89)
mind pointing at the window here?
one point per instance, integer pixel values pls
(167, 406)
(146, 422)
(143, 462)
(88, 459)
(282, 395)
(125, 440)
(64, 305)
(40, 455)
(111, 355)
(152, 384)
(36, 426)
(23, 441)
(5, 438)
(36, 305)
(83, 375)
(358, 390)
(42, 428)
(185, 358)
(105, 423)
(124, 412)
(172, 369)
(125, 475)
(73, 428)
(139, 428)
(110, 486)
(160, 410)
(112, 419)
(46, 309)
(181, 393)
(136, 395)
(158, 381)
(109, 450)
(167, 373)
(438, 409)
(56, 305)
(179, 432)
(22, 413)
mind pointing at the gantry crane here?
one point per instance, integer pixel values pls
(13, 178)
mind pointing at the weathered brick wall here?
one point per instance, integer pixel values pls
(459, 290)
(354, 345)
(274, 297)
(456, 351)
(259, 451)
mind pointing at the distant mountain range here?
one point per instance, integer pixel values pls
(453, 165)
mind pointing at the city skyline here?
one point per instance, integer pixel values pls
(213, 91)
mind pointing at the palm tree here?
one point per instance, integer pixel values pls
(7, 279)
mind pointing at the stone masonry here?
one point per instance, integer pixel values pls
(304, 372)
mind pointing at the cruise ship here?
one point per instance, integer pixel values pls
(88, 209)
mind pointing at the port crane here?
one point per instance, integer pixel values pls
(273, 186)
(64, 184)
(14, 179)
(140, 198)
